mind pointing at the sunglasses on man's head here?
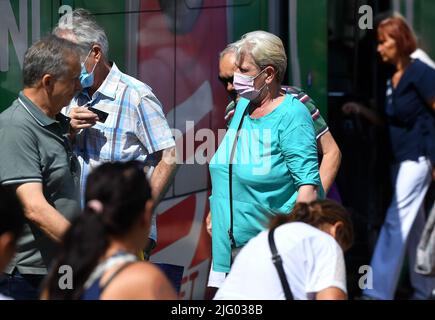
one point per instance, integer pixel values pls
(226, 80)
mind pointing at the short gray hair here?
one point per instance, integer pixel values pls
(230, 48)
(85, 29)
(47, 56)
(266, 49)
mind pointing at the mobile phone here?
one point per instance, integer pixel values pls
(102, 116)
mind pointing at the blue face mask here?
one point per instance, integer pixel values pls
(87, 79)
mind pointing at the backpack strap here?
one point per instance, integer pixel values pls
(277, 261)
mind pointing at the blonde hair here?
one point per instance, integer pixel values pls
(266, 49)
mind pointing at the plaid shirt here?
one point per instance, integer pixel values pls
(135, 128)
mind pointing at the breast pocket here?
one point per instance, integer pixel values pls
(98, 142)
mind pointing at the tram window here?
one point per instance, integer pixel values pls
(118, 7)
(201, 4)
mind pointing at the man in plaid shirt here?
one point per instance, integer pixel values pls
(135, 127)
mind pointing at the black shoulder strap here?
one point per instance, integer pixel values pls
(277, 261)
(230, 181)
(113, 275)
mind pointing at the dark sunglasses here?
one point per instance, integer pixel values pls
(227, 80)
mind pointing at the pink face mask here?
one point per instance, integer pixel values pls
(244, 85)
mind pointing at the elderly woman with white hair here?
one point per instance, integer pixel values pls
(267, 161)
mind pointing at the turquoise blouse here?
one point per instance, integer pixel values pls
(275, 155)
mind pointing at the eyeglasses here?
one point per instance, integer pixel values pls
(226, 80)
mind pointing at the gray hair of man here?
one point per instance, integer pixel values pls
(266, 49)
(230, 48)
(85, 29)
(48, 56)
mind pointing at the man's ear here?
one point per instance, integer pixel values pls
(47, 82)
(98, 53)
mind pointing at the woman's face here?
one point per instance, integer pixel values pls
(387, 47)
(246, 66)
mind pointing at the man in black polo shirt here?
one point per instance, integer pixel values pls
(36, 160)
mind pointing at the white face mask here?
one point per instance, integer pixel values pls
(244, 85)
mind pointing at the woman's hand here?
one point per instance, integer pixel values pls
(307, 193)
(208, 223)
(359, 109)
(351, 108)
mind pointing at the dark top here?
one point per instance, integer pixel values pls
(410, 118)
(95, 289)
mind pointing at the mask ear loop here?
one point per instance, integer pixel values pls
(94, 67)
(265, 84)
(89, 53)
(259, 74)
(87, 59)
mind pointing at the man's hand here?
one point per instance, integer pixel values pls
(81, 118)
